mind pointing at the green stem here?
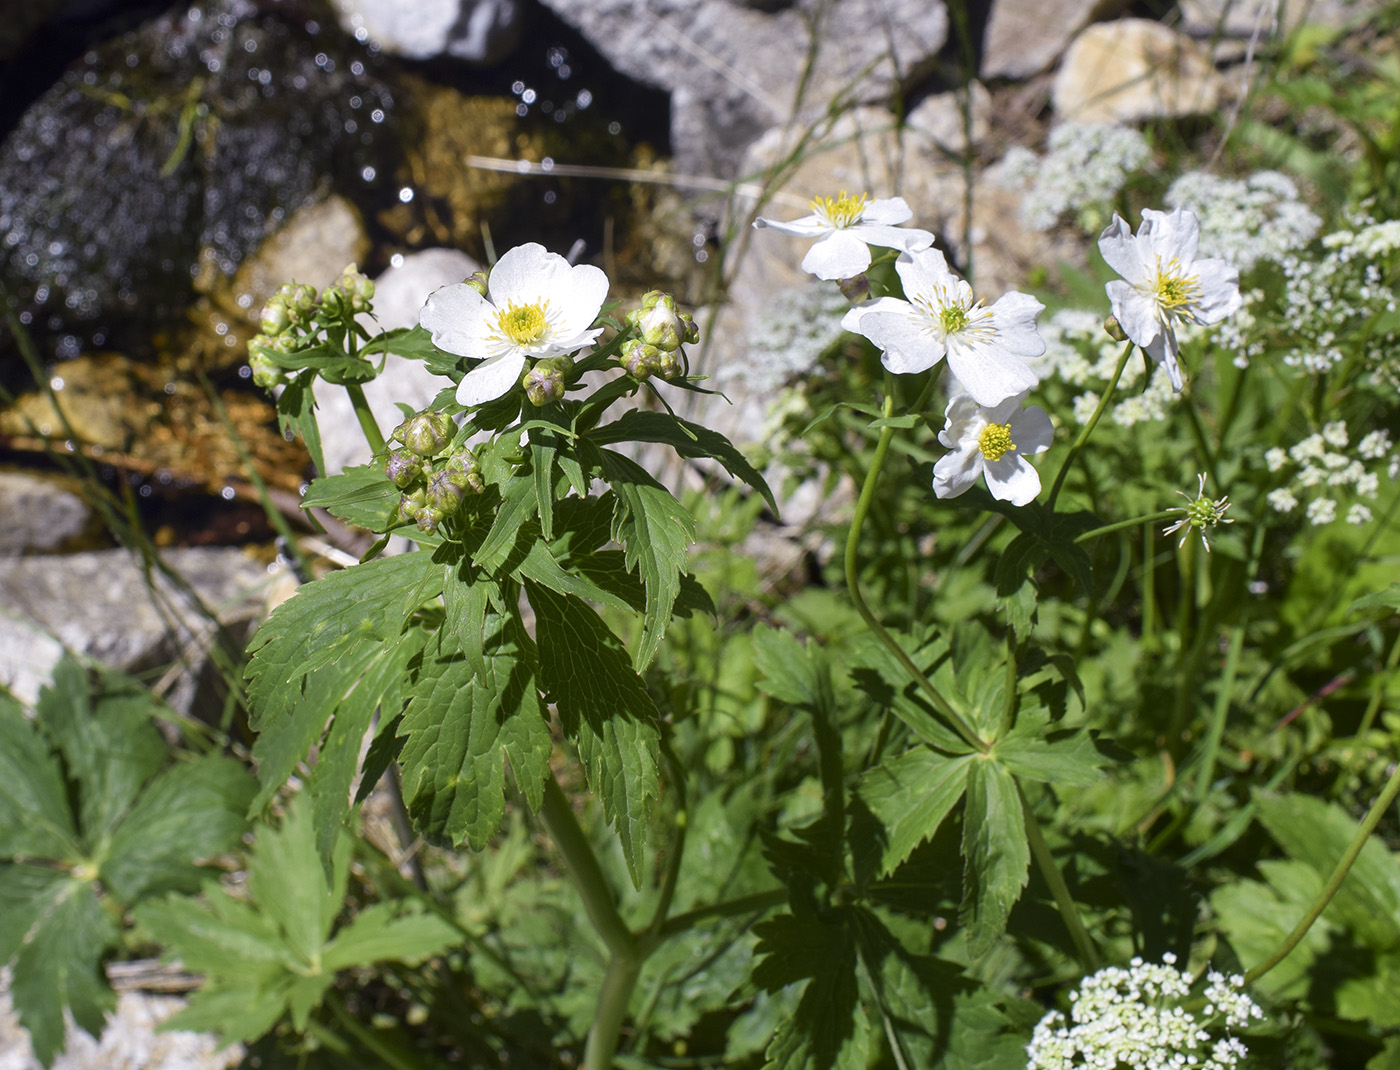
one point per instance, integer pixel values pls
(673, 864)
(744, 904)
(1378, 689)
(1064, 902)
(867, 495)
(1149, 589)
(1108, 529)
(587, 874)
(367, 422)
(1088, 430)
(613, 999)
(1348, 859)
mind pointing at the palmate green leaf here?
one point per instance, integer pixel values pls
(996, 858)
(655, 532)
(1034, 751)
(687, 439)
(461, 725)
(605, 709)
(788, 671)
(298, 897)
(36, 820)
(367, 603)
(296, 411)
(520, 505)
(59, 962)
(362, 495)
(384, 932)
(1317, 833)
(414, 343)
(1257, 917)
(830, 1029)
(911, 795)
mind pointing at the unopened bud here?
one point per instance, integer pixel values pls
(410, 505)
(443, 496)
(477, 280)
(669, 365)
(855, 289)
(426, 434)
(298, 300)
(266, 372)
(1114, 329)
(547, 380)
(275, 318)
(463, 472)
(659, 324)
(403, 468)
(639, 358)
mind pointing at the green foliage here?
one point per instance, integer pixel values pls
(95, 820)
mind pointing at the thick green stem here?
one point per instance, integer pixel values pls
(613, 999)
(867, 495)
(587, 875)
(1088, 430)
(1064, 902)
(1334, 882)
(367, 422)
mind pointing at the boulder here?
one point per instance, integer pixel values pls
(41, 513)
(1134, 69)
(1025, 37)
(479, 31)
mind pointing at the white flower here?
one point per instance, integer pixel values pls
(1164, 283)
(844, 226)
(1282, 500)
(536, 306)
(987, 348)
(1275, 458)
(1358, 514)
(1322, 511)
(1200, 513)
(995, 442)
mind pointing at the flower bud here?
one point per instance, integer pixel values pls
(547, 380)
(404, 468)
(266, 372)
(463, 472)
(659, 324)
(668, 365)
(298, 300)
(639, 358)
(275, 318)
(856, 289)
(443, 496)
(1114, 329)
(477, 280)
(426, 434)
(410, 505)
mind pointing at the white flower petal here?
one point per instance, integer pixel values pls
(1163, 349)
(809, 226)
(1220, 285)
(887, 211)
(1014, 316)
(1137, 314)
(1012, 479)
(458, 318)
(925, 276)
(963, 418)
(902, 336)
(840, 254)
(1120, 252)
(575, 299)
(989, 374)
(955, 473)
(905, 239)
(1170, 235)
(491, 379)
(1032, 431)
(523, 275)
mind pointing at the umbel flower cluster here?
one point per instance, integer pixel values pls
(1135, 1019)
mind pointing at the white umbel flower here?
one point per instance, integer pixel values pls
(1164, 283)
(845, 227)
(987, 348)
(992, 442)
(536, 305)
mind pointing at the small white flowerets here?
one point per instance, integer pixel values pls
(1200, 513)
(993, 442)
(1132, 1018)
(987, 348)
(536, 305)
(1164, 284)
(845, 227)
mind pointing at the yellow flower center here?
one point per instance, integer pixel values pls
(522, 324)
(1174, 288)
(995, 441)
(841, 211)
(953, 319)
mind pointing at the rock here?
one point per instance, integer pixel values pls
(1209, 19)
(1133, 69)
(314, 245)
(941, 120)
(100, 605)
(1025, 37)
(173, 151)
(99, 397)
(733, 71)
(41, 513)
(130, 1041)
(399, 294)
(479, 31)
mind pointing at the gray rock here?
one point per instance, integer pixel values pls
(478, 31)
(41, 513)
(733, 71)
(1134, 69)
(101, 605)
(1025, 37)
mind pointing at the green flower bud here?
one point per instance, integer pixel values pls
(266, 373)
(443, 496)
(275, 318)
(547, 380)
(411, 504)
(658, 323)
(856, 289)
(429, 517)
(462, 470)
(404, 468)
(426, 434)
(298, 300)
(1114, 329)
(669, 365)
(477, 280)
(639, 359)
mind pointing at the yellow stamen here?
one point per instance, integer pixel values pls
(995, 441)
(953, 319)
(1174, 288)
(522, 324)
(840, 212)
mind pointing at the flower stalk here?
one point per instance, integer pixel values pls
(1082, 440)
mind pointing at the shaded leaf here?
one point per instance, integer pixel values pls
(911, 795)
(996, 858)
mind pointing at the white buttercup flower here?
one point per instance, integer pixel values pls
(536, 305)
(1164, 283)
(993, 442)
(987, 348)
(845, 227)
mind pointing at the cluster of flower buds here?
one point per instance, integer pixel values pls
(661, 331)
(349, 295)
(433, 486)
(546, 382)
